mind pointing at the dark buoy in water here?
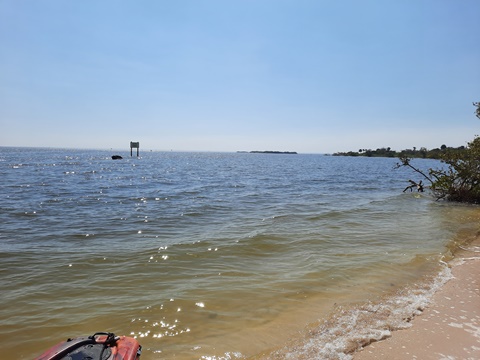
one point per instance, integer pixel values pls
(116, 157)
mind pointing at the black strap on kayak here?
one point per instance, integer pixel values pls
(111, 340)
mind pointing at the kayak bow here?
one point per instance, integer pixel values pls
(101, 346)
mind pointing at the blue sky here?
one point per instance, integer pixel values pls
(219, 75)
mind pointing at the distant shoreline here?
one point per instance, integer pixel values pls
(268, 152)
(423, 152)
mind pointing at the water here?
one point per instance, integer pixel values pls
(216, 255)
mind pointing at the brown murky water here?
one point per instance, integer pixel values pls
(214, 256)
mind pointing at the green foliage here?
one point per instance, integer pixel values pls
(458, 181)
(423, 153)
(461, 180)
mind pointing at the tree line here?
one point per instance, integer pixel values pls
(422, 152)
(458, 180)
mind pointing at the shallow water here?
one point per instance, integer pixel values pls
(208, 255)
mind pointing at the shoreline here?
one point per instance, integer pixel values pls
(449, 327)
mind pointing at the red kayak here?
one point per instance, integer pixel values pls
(101, 346)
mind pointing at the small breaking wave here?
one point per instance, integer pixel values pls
(351, 328)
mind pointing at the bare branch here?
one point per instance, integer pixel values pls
(405, 161)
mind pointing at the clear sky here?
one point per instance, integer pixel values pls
(225, 75)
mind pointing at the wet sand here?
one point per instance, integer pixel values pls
(449, 328)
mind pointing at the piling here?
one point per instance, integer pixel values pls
(134, 145)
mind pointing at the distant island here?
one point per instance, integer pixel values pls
(268, 152)
(411, 153)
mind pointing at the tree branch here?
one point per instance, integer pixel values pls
(405, 161)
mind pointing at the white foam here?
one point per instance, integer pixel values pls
(351, 329)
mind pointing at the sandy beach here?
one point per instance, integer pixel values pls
(449, 328)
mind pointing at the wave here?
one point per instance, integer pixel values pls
(349, 329)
